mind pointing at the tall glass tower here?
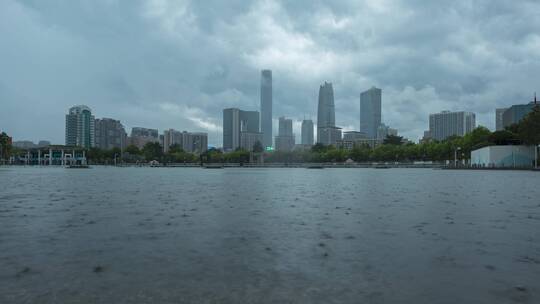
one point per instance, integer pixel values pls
(370, 111)
(266, 107)
(327, 132)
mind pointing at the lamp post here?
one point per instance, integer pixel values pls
(536, 156)
(455, 156)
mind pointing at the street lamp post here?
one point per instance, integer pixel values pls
(455, 156)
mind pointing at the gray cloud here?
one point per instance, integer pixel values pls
(177, 64)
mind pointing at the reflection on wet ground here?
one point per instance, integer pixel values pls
(189, 235)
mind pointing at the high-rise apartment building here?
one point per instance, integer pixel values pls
(109, 134)
(171, 137)
(80, 127)
(370, 111)
(266, 107)
(196, 142)
(445, 124)
(238, 123)
(307, 132)
(141, 136)
(327, 132)
(285, 139)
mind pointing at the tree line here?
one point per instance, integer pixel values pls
(527, 131)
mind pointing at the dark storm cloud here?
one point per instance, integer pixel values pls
(177, 64)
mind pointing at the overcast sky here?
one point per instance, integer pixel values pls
(177, 64)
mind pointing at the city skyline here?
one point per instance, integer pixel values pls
(150, 81)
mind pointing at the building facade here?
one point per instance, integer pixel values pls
(307, 132)
(249, 139)
(499, 118)
(80, 127)
(445, 124)
(508, 156)
(383, 131)
(370, 111)
(195, 142)
(327, 132)
(516, 113)
(141, 136)
(171, 137)
(189, 142)
(285, 140)
(109, 134)
(266, 107)
(236, 122)
(354, 136)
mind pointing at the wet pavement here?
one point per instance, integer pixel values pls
(190, 235)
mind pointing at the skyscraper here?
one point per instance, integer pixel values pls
(445, 124)
(307, 132)
(499, 118)
(327, 132)
(109, 133)
(80, 127)
(285, 138)
(266, 107)
(370, 111)
(237, 122)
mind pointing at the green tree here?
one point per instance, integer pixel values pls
(503, 137)
(258, 147)
(393, 140)
(152, 151)
(360, 153)
(529, 127)
(176, 148)
(133, 150)
(5, 146)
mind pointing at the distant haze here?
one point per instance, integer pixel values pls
(177, 64)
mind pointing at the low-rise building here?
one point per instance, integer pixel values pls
(511, 156)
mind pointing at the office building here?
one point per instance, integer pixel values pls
(266, 107)
(80, 127)
(307, 132)
(370, 111)
(285, 139)
(516, 113)
(327, 132)
(109, 134)
(237, 122)
(354, 136)
(445, 124)
(249, 139)
(499, 118)
(141, 136)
